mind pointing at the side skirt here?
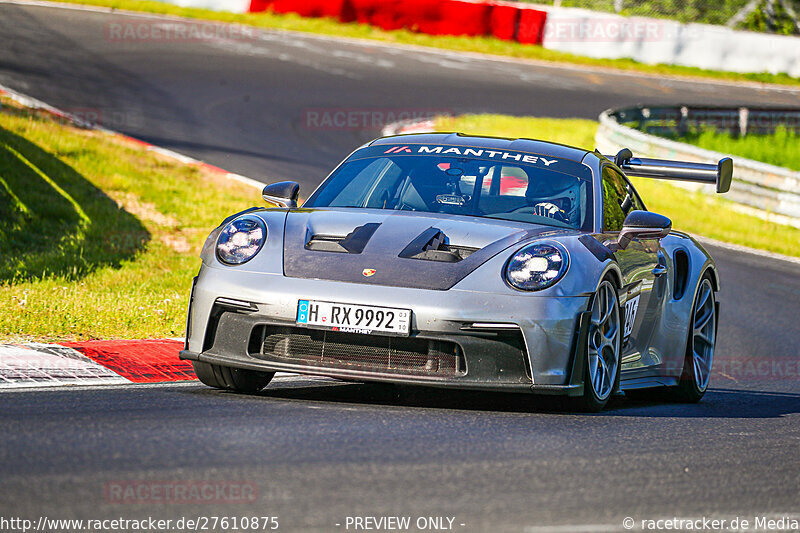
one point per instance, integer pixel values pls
(647, 383)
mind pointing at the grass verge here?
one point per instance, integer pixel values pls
(693, 212)
(486, 45)
(98, 237)
(781, 149)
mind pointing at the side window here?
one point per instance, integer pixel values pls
(513, 181)
(634, 202)
(503, 190)
(614, 192)
(637, 202)
(505, 181)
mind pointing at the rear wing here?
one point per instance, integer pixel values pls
(720, 174)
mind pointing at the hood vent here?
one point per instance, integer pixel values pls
(352, 243)
(433, 245)
(406, 249)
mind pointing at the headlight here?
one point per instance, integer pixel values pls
(537, 266)
(241, 239)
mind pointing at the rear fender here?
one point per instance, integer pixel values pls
(672, 331)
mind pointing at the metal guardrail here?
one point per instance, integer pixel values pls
(680, 120)
(768, 191)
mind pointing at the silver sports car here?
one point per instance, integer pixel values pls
(467, 262)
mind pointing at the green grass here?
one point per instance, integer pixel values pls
(573, 131)
(693, 212)
(98, 237)
(484, 45)
(781, 149)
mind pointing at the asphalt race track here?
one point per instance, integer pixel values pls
(319, 451)
(241, 103)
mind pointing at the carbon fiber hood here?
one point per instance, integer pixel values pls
(404, 249)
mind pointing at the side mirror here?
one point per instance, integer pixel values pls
(283, 193)
(643, 225)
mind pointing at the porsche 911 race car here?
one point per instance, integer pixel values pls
(465, 262)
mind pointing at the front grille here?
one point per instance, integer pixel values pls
(331, 349)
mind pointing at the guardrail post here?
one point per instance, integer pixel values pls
(683, 122)
(643, 119)
(744, 114)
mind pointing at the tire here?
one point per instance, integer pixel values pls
(699, 346)
(229, 378)
(205, 373)
(602, 368)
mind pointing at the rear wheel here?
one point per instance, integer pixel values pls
(229, 378)
(700, 345)
(602, 371)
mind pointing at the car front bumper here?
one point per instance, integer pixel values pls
(472, 340)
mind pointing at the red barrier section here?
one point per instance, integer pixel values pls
(257, 6)
(504, 21)
(385, 14)
(434, 17)
(531, 26)
(148, 361)
(465, 18)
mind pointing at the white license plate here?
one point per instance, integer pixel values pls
(349, 318)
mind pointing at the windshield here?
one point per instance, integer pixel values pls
(507, 185)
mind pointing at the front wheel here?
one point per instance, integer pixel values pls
(602, 371)
(229, 378)
(700, 345)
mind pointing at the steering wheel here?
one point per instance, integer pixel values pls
(544, 209)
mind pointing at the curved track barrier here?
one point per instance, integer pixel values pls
(772, 191)
(565, 29)
(653, 41)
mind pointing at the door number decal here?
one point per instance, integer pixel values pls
(631, 306)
